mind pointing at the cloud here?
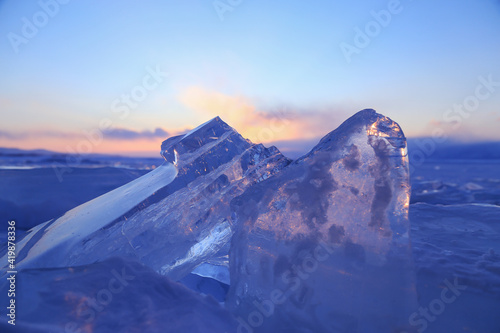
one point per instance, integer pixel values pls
(126, 134)
(118, 141)
(263, 125)
(111, 134)
(11, 136)
(435, 123)
(481, 127)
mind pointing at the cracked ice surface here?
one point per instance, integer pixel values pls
(323, 246)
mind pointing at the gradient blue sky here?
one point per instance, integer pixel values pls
(262, 58)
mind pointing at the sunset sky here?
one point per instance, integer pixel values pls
(125, 75)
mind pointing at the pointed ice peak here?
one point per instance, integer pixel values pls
(206, 135)
(214, 122)
(366, 121)
(348, 199)
(383, 126)
(374, 123)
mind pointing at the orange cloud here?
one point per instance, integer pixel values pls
(253, 123)
(141, 143)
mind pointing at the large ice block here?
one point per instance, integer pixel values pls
(317, 245)
(172, 219)
(323, 246)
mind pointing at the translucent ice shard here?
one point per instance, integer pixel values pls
(323, 246)
(172, 219)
